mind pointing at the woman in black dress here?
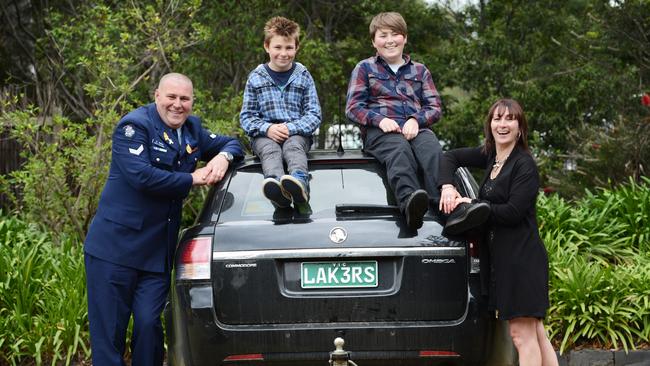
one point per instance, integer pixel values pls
(518, 261)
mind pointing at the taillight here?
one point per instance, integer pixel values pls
(248, 357)
(428, 353)
(193, 259)
(474, 250)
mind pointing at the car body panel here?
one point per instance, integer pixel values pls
(240, 280)
(278, 292)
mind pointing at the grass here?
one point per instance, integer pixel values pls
(42, 297)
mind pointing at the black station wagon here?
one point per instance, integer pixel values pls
(257, 286)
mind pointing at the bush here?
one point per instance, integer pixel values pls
(599, 266)
(43, 314)
(595, 304)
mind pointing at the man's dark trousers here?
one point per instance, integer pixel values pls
(114, 292)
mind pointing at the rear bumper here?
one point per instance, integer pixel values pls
(196, 338)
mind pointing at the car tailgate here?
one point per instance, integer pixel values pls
(375, 275)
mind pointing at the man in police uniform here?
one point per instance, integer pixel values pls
(131, 241)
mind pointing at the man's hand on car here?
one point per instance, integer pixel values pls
(217, 168)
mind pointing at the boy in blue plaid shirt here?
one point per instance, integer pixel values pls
(280, 113)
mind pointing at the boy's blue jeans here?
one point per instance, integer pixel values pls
(294, 151)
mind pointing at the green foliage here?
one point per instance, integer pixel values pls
(597, 304)
(588, 231)
(106, 60)
(108, 48)
(610, 153)
(599, 266)
(576, 66)
(42, 296)
(60, 180)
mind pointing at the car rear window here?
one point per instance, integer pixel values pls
(350, 184)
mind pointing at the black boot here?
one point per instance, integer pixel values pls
(416, 206)
(467, 216)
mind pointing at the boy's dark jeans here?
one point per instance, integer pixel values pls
(404, 160)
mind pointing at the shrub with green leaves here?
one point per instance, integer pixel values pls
(599, 266)
(101, 63)
(43, 315)
(596, 304)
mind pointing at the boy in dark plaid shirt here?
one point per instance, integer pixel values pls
(395, 102)
(280, 113)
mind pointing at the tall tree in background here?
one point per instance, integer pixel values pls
(578, 66)
(546, 55)
(618, 148)
(93, 63)
(17, 41)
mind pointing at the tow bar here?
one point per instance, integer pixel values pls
(340, 357)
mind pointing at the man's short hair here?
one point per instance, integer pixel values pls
(175, 76)
(391, 20)
(281, 26)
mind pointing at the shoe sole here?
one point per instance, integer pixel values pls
(416, 207)
(273, 192)
(294, 187)
(473, 217)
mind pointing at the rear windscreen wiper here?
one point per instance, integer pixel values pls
(348, 210)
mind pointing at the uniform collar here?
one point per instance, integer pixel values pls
(168, 135)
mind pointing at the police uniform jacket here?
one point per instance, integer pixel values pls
(138, 218)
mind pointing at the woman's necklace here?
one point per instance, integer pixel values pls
(496, 167)
(498, 163)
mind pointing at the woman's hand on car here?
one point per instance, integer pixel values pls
(449, 197)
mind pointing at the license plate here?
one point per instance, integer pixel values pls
(339, 274)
